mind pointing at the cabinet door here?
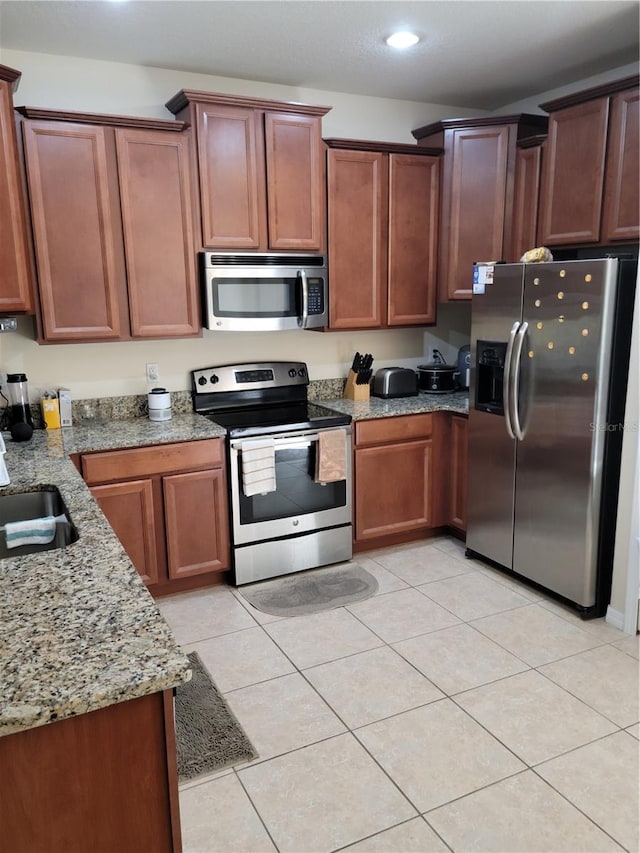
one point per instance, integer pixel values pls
(474, 227)
(525, 201)
(573, 174)
(15, 287)
(458, 473)
(232, 186)
(75, 211)
(155, 193)
(413, 232)
(622, 181)
(295, 190)
(392, 489)
(357, 213)
(129, 509)
(196, 522)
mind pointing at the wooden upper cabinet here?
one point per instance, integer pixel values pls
(295, 191)
(112, 214)
(573, 174)
(589, 191)
(156, 202)
(357, 235)
(261, 176)
(622, 181)
(232, 187)
(15, 269)
(477, 192)
(75, 213)
(413, 235)
(383, 221)
(525, 197)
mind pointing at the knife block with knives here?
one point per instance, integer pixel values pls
(358, 378)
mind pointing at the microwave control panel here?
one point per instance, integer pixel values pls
(316, 296)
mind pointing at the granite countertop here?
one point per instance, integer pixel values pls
(375, 407)
(78, 629)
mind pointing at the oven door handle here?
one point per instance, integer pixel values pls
(283, 443)
(302, 275)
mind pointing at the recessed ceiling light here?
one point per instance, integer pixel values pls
(402, 39)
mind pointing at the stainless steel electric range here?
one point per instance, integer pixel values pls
(295, 523)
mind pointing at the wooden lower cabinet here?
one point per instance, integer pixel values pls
(458, 472)
(104, 781)
(172, 519)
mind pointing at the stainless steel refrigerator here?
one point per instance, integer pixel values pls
(550, 352)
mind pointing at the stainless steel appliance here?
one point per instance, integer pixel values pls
(264, 292)
(394, 382)
(550, 350)
(299, 524)
(463, 374)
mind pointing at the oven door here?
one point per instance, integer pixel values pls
(269, 299)
(298, 504)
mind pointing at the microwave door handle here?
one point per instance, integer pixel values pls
(302, 275)
(506, 380)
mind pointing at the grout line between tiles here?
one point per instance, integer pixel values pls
(255, 808)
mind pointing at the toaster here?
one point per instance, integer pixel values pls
(395, 382)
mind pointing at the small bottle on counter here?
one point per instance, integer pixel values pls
(159, 403)
(50, 410)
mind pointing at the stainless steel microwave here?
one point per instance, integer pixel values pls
(264, 292)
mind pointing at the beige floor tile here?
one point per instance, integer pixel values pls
(400, 615)
(451, 546)
(634, 730)
(437, 753)
(508, 580)
(283, 714)
(459, 658)
(472, 596)
(324, 796)
(371, 685)
(243, 658)
(203, 614)
(218, 817)
(203, 778)
(422, 564)
(535, 635)
(534, 717)
(630, 646)
(598, 627)
(321, 637)
(518, 815)
(387, 581)
(414, 836)
(605, 678)
(601, 779)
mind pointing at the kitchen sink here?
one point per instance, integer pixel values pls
(24, 506)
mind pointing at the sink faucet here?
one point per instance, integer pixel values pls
(5, 479)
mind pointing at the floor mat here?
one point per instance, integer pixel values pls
(208, 736)
(311, 591)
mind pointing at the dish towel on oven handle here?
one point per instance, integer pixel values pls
(331, 456)
(258, 466)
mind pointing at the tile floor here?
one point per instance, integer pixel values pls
(455, 710)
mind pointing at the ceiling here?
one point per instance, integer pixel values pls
(481, 54)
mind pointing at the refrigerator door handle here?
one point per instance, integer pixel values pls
(506, 380)
(515, 381)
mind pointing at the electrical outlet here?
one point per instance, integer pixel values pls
(8, 324)
(153, 374)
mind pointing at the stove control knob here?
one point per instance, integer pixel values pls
(213, 379)
(202, 381)
(292, 372)
(302, 372)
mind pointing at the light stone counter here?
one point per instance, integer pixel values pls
(78, 629)
(375, 407)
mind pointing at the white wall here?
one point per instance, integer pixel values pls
(91, 370)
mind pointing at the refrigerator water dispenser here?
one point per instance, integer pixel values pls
(491, 357)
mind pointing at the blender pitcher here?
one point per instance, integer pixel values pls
(19, 409)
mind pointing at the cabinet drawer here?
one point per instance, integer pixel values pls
(401, 428)
(147, 461)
